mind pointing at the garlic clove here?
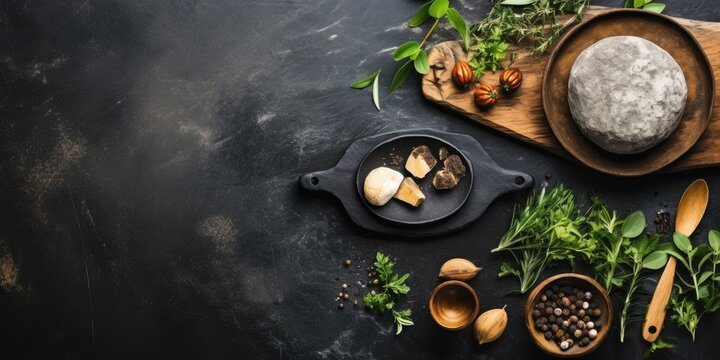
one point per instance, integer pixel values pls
(458, 269)
(490, 325)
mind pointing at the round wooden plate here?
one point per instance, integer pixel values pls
(664, 32)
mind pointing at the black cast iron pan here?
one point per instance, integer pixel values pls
(489, 181)
(438, 204)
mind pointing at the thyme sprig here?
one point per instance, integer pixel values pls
(537, 23)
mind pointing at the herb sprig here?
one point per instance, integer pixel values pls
(412, 52)
(393, 286)
(545, 232)
(645, 5)
(624, 256)
(537, 23)
(550, 230)
(698, 290)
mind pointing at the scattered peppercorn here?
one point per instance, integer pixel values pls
(348, 262)
(344, 286)
(341, 306)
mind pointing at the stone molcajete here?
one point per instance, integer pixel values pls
(626, 94)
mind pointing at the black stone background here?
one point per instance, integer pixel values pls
(148, 195)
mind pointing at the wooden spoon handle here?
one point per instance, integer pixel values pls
(656, 311)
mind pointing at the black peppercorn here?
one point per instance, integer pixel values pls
(585, 341)
(341, 306)
(536, 313)
(548, 335)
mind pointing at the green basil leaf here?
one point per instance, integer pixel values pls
(407, 49)
(361, 84)
(518, 2)
(400, 75)
(633, 225)
(655, 260)
(458, 23)
(654, 7)
(421, 63)
(638, 3)
(439, 8)
(629, 4)
(714, 240)
(376, 98)
(421, 16)
(682, 242)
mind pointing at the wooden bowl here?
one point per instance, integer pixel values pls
(664, 32)
(582, 282)
(454, 305)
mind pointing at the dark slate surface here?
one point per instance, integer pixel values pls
(148, 185)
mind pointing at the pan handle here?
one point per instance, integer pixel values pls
(518, 181)
(316, 181)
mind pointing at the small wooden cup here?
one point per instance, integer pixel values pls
(582, 282)
(454, 305)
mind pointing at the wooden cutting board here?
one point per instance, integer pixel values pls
(521, 114)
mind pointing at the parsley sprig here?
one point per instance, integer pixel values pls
(392, 286)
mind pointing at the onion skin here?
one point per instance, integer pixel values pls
(462, 74)
(510, 80)
(486, 96)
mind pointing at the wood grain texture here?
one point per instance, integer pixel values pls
(454, 305)
(521, 113)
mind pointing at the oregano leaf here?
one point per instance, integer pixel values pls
(714, 240)
(655, 260)
(682, 242)
(633, 225)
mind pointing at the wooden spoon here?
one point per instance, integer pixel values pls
(689, 213)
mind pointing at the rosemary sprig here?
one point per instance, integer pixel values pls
(537, 23)
(545, 232)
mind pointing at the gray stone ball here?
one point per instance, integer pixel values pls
(626, 94)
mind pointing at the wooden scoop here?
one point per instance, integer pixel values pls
(689, 213)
